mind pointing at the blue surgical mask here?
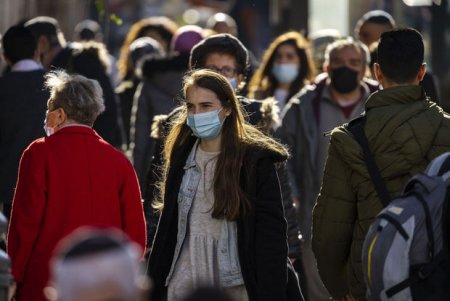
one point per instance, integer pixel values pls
(285, 73)
(233, 83)
(205, 125)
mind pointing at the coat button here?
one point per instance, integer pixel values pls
(224, 250)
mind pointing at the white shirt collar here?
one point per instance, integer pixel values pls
(26, 66)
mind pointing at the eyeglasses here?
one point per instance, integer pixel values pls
(225, 71)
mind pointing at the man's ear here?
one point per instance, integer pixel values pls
(326, 68)
(62, 116)
(422, 71)
(37, 56)
(240, 78)
(377, 72)
(7, 60)
(43, 44)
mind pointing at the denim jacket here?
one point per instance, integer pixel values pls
(228, 258)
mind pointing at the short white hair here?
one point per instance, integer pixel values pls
(80, 97)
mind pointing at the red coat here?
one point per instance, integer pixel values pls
(70, 179)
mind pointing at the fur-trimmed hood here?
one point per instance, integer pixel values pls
(264, 114)
(151, 65)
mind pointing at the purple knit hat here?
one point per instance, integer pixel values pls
(185, 38)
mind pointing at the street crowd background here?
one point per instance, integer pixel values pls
(298, 69)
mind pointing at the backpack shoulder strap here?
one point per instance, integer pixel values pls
(356, 127)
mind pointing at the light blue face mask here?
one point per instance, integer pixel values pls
(233, 83)
(205, 125)
(285, 73)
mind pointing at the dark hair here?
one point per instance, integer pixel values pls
(93, 245)
(400, 54)
(87, 30)
(163, 26)
(88, 241)
(222, 18)
(18, 44)
(223, 44)
(45, 26)
(142, 47)
(378, 17)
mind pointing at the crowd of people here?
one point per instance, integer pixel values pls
(187, 170)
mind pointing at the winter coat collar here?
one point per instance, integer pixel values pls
(76, 129)
(401, 128)
(252, 155)
(396, 95)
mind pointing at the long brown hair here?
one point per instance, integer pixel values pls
(264, 81)
(163, 25)
(237, 135)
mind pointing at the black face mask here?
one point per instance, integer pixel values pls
(344, 79)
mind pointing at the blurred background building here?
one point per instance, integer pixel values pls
(258, 20)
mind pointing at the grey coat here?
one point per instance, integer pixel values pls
(300, 132)
(154, 96)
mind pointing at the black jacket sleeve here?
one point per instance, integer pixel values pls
(270, 235)
(290, 212)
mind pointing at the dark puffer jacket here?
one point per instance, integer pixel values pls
(405, 132)
(157, 94)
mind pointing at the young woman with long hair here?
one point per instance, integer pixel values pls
(286, 67)
(222, 221)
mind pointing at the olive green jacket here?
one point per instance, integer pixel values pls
(405, 132)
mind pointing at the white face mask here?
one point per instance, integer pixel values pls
(285, 73)
(49, 130)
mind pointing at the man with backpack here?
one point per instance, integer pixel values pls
(404, 130)
(335, 97)
(406, 251)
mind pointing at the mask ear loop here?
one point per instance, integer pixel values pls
(224, 117)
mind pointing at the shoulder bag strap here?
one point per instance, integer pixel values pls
(356, 127)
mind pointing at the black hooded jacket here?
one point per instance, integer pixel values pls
(261, 231)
